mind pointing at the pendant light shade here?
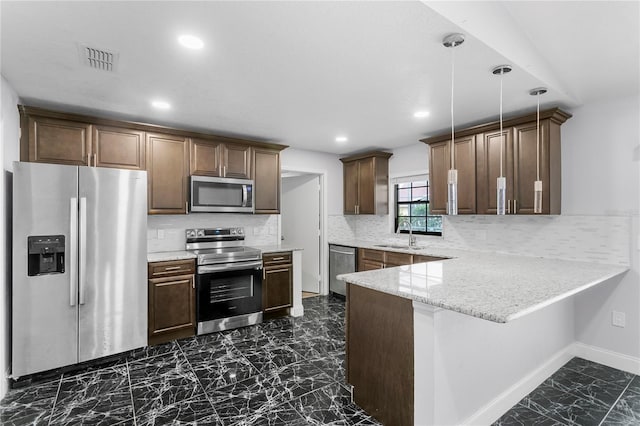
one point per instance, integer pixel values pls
(537, 185)
(452, 41)
(501, 183)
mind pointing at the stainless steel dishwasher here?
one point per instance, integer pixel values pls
(342, 260)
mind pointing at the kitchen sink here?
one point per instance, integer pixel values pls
(400, 246)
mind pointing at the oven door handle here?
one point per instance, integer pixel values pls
(205, 269)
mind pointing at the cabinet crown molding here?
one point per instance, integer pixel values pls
(554, 114)
(147, 127)
(370, 154)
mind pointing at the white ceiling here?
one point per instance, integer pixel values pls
(301, 73)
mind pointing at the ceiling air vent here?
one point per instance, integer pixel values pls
(100, 59)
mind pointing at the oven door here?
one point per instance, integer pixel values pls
(228, 290)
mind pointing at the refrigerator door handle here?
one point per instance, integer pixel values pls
(73, 248)
(82, 255)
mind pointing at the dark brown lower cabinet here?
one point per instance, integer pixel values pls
(172, 309)
(380, 354)
(277, 283)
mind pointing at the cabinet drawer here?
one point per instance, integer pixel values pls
(421, 259)
(276, 259)
(170, 268)
(375, 255)
(397, 259)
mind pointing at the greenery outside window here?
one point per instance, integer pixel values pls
(412, 207)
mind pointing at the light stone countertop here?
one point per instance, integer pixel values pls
(494, 287)
(275, 248)
(165, 256)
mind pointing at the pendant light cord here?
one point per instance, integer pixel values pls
(501, 134)
(538, 140)
(453, 50)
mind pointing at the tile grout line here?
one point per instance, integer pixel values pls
(133, 405)
(206, 395)
(615, 402)
(55, 400)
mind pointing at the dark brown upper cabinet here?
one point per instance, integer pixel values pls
(366, 183)
(465, 164)
(519, 165)
(165, 153)
(118, 147)
(219, 159)
(167, 174)
(266, 188)
(51, 140)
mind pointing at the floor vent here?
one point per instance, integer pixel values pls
(99, 59)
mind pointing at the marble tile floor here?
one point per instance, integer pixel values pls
(287, 371)
(580, 393)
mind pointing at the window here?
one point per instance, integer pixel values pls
(412, 207)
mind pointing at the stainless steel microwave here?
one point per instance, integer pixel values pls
(221, 195)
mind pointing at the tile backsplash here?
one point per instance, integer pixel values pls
(167, 232)
(603, 239)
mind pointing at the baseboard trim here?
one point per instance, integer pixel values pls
(606, 357)
(507, 399)
(510, 397)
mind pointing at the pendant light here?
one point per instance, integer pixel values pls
(452, 41)
(501, 183)
(537, 185)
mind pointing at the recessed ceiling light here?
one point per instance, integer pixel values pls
(161, 104)
(190, 41)
(421, 114)
(341, 139)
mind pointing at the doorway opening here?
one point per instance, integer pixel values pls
(302, 225)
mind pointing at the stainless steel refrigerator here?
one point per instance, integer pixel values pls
(79, 289)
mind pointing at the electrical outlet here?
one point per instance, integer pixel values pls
(618, 319)
(161, 234)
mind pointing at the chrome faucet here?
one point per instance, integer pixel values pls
(412, 239)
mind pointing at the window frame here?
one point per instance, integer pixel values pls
(398, 203)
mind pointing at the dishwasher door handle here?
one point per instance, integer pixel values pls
(350, 253)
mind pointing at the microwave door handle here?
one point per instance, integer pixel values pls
(244, 195)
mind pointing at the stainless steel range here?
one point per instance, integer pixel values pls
(228, 280)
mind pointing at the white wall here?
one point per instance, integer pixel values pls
(317, 162)
(410, 159)
(10, 134)
(601, 176)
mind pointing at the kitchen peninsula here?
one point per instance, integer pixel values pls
(459, 341)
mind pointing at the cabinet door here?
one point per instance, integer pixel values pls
(267, 181)
(439, 163)
(525, 167)
(369, 265)
(277, 288)
(237, 161)
(206, 158)
(167, 174)
(397, 259)
(172, 311)
(488, 168)
(350, 190)
(465, 163)
(366, 186)
(59, 141)
(118, 148)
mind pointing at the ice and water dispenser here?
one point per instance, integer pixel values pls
(46, 254)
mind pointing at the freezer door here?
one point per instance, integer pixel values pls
(113, 261)
(44, 307)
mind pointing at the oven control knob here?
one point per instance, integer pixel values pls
(200, 232)
(233, 231)
(240, 231)
(191, 233)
